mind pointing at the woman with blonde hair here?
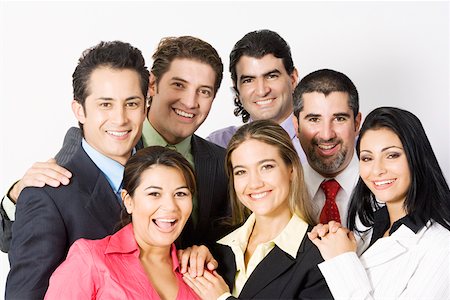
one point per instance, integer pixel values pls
(268, 255)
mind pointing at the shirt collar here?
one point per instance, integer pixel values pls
(382, 222)
(151, 137)
(112, 170)
(288, 240)
(288, 126)
(346, 182)
(123, 241)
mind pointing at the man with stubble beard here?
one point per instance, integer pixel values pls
(326, 105)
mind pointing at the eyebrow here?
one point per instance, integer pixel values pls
(340, 114)
(112, 99)
(384, 149)
(259, 163)
(242, 77)
(160, 188)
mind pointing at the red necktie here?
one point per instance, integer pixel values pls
(330, 210)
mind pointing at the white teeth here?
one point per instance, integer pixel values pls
(117, 133)
(166, 220)
(262, 102)
(184, 114)
(378, 183)
(326, 147)
(259, 195)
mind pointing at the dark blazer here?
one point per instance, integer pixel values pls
(279, 275)
(212, 194)
(49, 220)
(72, 142)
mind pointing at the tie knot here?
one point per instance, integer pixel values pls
(330, 188)
(171, 147)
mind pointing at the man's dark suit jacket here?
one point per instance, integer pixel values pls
(49, 220)
(212, 187)
(278, 275)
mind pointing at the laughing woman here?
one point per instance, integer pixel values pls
(139, 261)
(269, 255)
(404, 200)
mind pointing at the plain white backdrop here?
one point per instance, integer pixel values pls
(396, 53)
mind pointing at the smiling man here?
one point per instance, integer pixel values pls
(264, 79)
(109, 87)
(184, 79)
(326, 104)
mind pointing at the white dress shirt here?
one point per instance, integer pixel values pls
(347, 179)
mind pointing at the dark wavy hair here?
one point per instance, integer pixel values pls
(258, 44)
(428, 197)
(146, 158)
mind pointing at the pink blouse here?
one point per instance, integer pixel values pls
(108, 268)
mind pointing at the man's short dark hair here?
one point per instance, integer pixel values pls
(326, 81)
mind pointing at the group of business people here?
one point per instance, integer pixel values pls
(399, 209)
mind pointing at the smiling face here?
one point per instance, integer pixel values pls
(182, 99)
(265, 88)
(113, 113)
(383, 166)
(327, 131)
(261, 178)
(160, 206)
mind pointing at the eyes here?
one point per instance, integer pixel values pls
(177, 194)
(202, 91)
(389, 155)
(269, 76)
(263, 168)
(337, 119)
(131, 104)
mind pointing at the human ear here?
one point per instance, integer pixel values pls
(152, 85)
(127, 201)
(78, 111)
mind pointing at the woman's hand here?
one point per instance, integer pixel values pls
(209, 286)
(194, 260)
(332, 240)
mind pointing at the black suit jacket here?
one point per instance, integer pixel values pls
(279, 275)
(212, 191)
(49, 220)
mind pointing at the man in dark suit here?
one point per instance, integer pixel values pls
(184, 80)
(110, 87)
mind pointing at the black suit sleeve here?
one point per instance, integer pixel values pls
(38, 245)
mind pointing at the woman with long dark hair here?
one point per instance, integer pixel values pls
(400, 209)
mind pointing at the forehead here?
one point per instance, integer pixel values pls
(376, 140)
(114, 83)
(191, 70)
(319, 104)
(253, 66)
(157, 175)
(253, 151)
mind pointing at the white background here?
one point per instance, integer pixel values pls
(396, 53)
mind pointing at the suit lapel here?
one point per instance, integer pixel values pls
(277, 262)
(205, 174)
(386, 249)
(100, 200)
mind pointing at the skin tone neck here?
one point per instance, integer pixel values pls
(396, 212)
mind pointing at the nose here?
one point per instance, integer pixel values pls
(255, 180)
(262, 88)
(169, 203)
(120, 115)
(378, 167)
(326, 131)
(189, 99)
